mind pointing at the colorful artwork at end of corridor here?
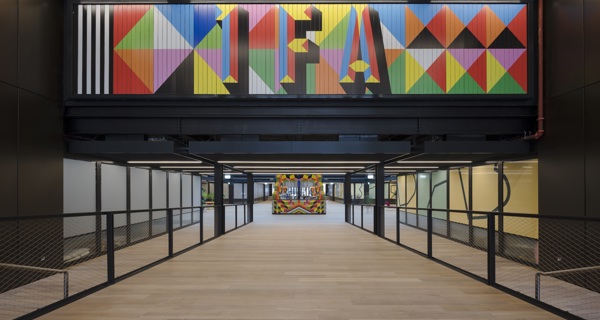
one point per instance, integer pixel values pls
(301, 49)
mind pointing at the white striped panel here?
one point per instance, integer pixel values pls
(88, 60)
(79, 50)
(97, 91)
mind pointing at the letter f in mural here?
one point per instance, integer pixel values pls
(364, 68)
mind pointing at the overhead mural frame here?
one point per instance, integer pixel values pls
(384, 50)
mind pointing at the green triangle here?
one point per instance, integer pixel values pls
(213, 40)
(425, 85)
(262, 61)
(311, 78)
(466, 84)
(368, 91)
(141, 36)
(397, 73)
(507, 85)
(281, 91)
(335, 39)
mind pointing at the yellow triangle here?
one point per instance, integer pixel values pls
(495, 71)
(297, 45)
(414, 71)
(454, 71)
(372, 80)
(332, 15)
(230, 79)
(287, 79)
(347, 79)
(359, 66)
(225, 10)
(296, 11)
(206, 81)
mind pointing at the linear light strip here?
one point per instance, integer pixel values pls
(299, 162)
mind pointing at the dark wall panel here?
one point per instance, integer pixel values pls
(592, 45)
(563, 40)
(8, 41)
(40, 155)
(561, 157)
(592, 150)
(8, 149)
(40, 47)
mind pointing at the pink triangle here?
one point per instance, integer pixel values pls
(507, 57)
(333, 57)
(277, 83)
(165, 63)
(466, 57)
(256, 12)
(214, 58)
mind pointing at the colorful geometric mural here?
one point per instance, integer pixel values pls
(302, 49)
(289, 198)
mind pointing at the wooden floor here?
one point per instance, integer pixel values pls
(299, 267)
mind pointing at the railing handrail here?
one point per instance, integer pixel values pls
(539, 274)
(64, 272)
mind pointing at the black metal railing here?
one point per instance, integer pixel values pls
(510, 251)
(90, 251)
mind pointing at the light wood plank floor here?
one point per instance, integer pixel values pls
(299, 267)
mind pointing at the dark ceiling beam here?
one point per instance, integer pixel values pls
(299, 147)
(478, 147)
(123, 147)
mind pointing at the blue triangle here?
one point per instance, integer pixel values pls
(465, 12)
(181, 16)
(506, 12)
(425, 12)
(393, 17)
(204, 21)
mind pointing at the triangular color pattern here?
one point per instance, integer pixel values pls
(166, 62)
(166, 36)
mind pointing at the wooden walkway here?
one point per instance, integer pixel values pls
(299, 267)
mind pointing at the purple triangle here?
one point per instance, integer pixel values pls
(256, 12)
(165, 63)
(507, 57)
(333, 57)
(214, 58)
(277, 83)
(466, 57)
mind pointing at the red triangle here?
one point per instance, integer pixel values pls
(437, 71)
(125, 81)
(519, 71)
(478, 24)
(518, 26)
(437, 26)
(262, 36)
(125, 17)
(478, 71)
(308, 11)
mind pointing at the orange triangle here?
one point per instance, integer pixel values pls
(453, 27)
(327, 80)
(141, 62)
(391, 55)
(124, 80)
(414, 26)
(494, 26)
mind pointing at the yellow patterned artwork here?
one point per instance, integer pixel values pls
(295, 194)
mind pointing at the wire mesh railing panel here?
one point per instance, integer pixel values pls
(177, 219)
(186, 217)
(186, 237)
(140, 226)
(368, 218)
(240, 215)
(196, 214)
(356, 215)
(159, 223)
(130, 256)
(229, 218)
(208, 225)
(410, 235)
(390, 223)
(455, 250)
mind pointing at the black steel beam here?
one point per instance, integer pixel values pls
(299, 147)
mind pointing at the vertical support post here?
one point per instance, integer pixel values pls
(348, 198)
(537, 286)
(379, 210)
(110, 247)
(491, 252)
(128, 204)
(429, 233)
(250, 198)
(501, 238)
(448, 204)
(219, 209)
(332, 192)
(236, 215)
(150, 212)
(201, 224)
(397, 225)
(470, 209)
(362, 215)
(181, 200)
(98, 226)
(170, 231)
(231, 188)
(65, 285)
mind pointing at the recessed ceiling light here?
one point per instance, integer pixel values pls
(450, 161)
(159, 162)
(299, 162)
